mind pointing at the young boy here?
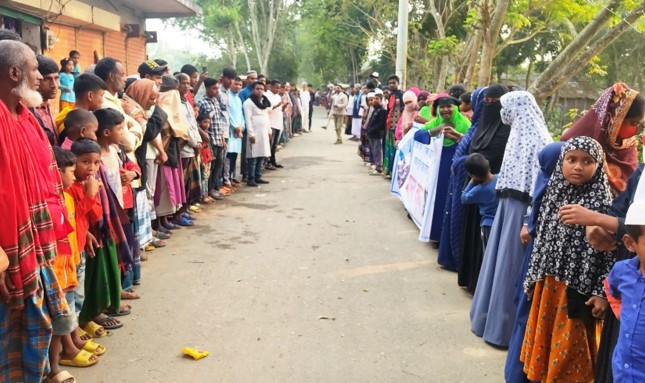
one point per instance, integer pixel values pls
(89, 89)
(109, 135)
(626, 284)
(481, 191)
(77, 124)
(120, 172)
(75, 56)
(376, 128)
(67, 348)
(103, 275)
(204, 123)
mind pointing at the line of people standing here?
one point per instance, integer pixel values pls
(544, 234)
(89, 193)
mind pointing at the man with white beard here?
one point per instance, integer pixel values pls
(305, 98)
(33, 220)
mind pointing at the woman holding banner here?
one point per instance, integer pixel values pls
(444, 118)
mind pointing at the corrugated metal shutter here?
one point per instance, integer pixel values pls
(89, 41)
(65, 41)
(136, 50)
(115, 45)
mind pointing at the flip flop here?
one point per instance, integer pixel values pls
(94, 348)
(108, 318)
(82, 359)
(92, 328)
(120, 313)
(61, 377)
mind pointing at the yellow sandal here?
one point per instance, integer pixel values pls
(93, 328)
(94, 348)
(82, 359)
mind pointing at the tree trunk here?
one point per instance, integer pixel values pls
(472, 62)
(527, 81)
(577, 63)
(570, 52)
(441, 73)
(243, 47)
(490, 36)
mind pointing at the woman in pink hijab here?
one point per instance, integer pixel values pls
(410, 111)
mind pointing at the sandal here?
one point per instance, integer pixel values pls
(183, 221)
(61, 377)
(158, 242)
(82, 359)
(162, 235)
(149, 247)
(94, 348)
(95, 330)
(171, 226)
(123, 311)
(84, 335)
(104, 322)
(163, 229)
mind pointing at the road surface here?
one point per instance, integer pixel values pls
(316, 277)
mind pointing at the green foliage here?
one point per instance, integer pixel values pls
(443, 47)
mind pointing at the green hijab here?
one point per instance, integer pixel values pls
(459, 121)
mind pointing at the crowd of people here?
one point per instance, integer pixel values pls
(548, 237)
(89, 192)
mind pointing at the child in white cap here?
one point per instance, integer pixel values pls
(626, 291)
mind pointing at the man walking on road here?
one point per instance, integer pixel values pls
(339, 102)
(305, 98)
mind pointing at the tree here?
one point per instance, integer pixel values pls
(590, 42)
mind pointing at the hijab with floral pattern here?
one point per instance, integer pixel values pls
(562, 250)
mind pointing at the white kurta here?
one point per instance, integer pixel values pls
(258, 125)
(305, 98)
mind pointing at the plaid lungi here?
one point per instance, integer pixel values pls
(25, 334)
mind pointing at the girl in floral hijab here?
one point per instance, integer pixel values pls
(565, 276)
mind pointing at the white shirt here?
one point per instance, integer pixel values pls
(275, 115)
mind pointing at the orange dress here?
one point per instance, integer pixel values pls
(65, 264)
(556, 348)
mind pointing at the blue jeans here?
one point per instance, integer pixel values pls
(254, 168)
(79, 292)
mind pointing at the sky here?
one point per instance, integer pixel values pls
(174, 37)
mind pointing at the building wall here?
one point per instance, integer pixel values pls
(131, 52)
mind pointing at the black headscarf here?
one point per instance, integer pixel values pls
(491, 135)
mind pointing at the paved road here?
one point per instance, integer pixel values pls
(317, 277)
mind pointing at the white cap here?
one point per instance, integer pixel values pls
(378, 91)
(371, 95)
(636, 213)
(304, 83)
(375, 74)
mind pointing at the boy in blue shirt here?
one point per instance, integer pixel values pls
(481, 191)
(626, 294)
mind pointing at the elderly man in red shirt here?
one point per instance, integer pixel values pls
(33, 219)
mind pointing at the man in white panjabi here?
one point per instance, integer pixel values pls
(305, 98)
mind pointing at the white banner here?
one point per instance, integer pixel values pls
(414, 179)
